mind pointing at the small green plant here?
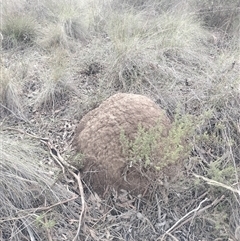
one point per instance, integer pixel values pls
(77, 160)
(142, 147)
(152, 148)
(176, 146)
(221, 172)
(44, 221)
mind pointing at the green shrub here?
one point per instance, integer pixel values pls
(142, 147)
(152, 148)
(177, 145)
(221, 173)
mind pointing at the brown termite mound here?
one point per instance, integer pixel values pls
(98, 139)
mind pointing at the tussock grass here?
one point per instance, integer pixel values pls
(26, 186)
(18, 29)
(53, 36)
(56, 87)
(10, 100)
(68, 21)
(220, 14)
(141, 42)
(61, 33)
(223, 19)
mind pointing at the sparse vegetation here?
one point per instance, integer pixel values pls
(60, 59)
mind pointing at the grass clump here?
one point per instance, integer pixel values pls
(18, 29)
(64, 24)
(220, 14)
(167, 40)
(55, 87)
(222, 17)
(53, 36)
(126, 31)
(10, 101)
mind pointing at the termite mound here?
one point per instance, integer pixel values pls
(97, 138)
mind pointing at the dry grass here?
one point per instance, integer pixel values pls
(62, 25)
(17, 29)
(56, 84)
(27, 190)
(60, 59)
(10, 99)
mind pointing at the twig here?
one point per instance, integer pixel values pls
(25, 133)
(35, 210)
(214, 203)
(233, 159)
(57, 157)
(48, 207)
(174, 238)
(30, 233)
(64, 162)
(218, 184)
(17, 116)
(54, 156)
(181, 219)
(45, 141)
(78, 178)
(64, 165)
